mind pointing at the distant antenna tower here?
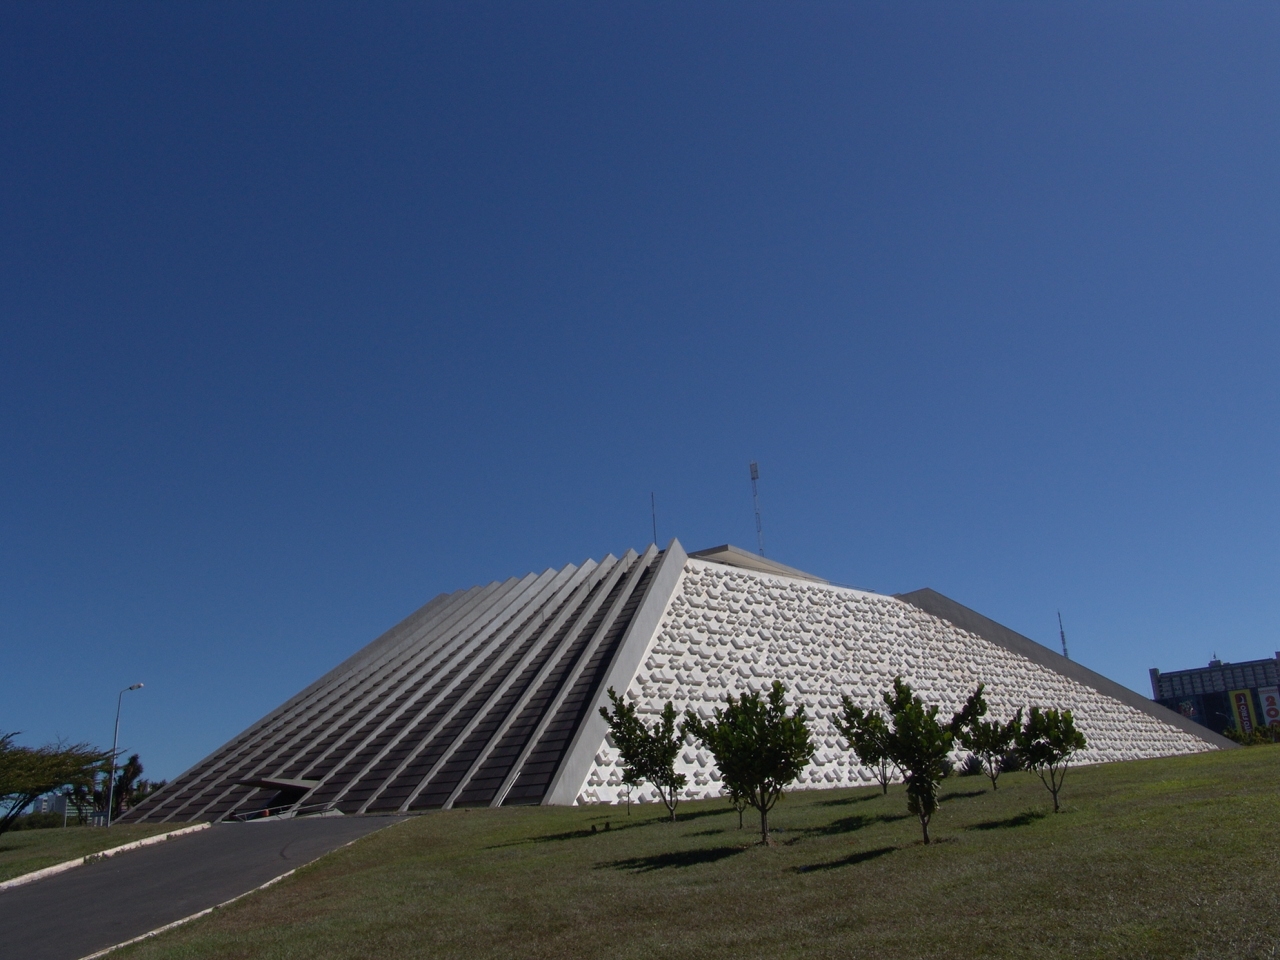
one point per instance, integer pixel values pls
(1063, 634)
(755, 497)
(653, 509)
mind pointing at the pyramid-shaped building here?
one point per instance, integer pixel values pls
(490, 696)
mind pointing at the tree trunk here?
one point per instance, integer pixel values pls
(764, 826)
(740, 809)
(924, 825)
(670, 799)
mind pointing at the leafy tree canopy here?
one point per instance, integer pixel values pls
(29, 772)
(1046, 744)
(919, 744)
(758, 748)
(648, 753)
(988, 740)
(868, 736)
(131, 789)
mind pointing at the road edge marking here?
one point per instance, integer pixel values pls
(195, 916)
(226, 903)
(95, 857)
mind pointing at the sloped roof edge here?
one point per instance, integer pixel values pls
(732, 556)
(934, 603)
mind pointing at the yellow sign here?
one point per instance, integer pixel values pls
(1242, 707)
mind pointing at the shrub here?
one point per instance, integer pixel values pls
(1011, 761)
(1257, 737)
(37, 821)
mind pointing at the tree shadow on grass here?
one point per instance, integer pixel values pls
(699, 814)
(860, 857)
(615, 823)
(614, 826)
(846, 825)
(845, 801)
(547, 838)
(960, 795)
(705, 833)
(665, 861)
(1021, 820)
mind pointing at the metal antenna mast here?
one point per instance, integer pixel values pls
(755, 497)
(1063, 634)
(653, 509)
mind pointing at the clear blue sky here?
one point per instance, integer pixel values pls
(312, 312)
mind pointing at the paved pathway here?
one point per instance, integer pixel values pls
(76, 913)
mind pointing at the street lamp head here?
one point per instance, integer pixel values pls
(136, 686)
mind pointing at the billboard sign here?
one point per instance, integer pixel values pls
(1242, 707)
(1270, 697)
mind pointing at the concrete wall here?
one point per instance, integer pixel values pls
(729, 630)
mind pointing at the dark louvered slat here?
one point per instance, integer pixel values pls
(545, 758)
(428, 699)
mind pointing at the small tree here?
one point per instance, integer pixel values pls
(626, 731)
(919, 745)
(29, 772)
(648, 753)
(1046, 744)
(758, 748)
(739, 801)
(868, 738)
(987, 740)
(664, 741)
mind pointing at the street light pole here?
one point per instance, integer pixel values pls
(115, 743)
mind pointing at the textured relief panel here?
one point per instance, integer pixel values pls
(728, 630)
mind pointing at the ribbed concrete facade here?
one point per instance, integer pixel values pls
(473, 700)
(489, 696)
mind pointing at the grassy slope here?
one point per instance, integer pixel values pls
(22, 851)
(1158, 858)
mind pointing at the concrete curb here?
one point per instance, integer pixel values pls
(94, 857)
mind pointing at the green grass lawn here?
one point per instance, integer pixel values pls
(1156, 858)
(22, 851)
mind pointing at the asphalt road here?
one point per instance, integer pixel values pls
(76, 913)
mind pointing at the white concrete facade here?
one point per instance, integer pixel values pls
(725, 629)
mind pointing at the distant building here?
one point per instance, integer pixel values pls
(1222, 695)
(49, 803)
(63, 805)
